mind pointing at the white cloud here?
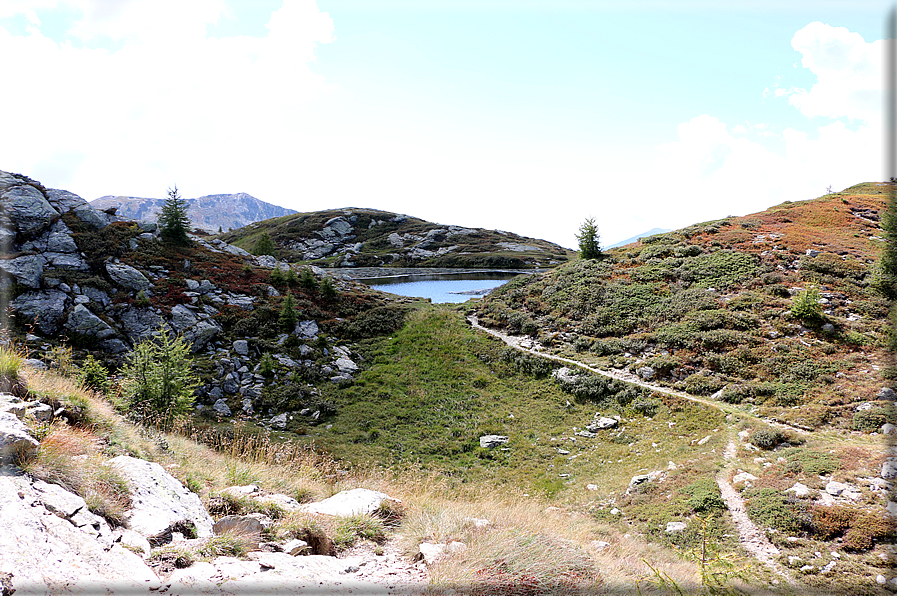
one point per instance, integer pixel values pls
(848, 72)
(711, 173)
(166, 105)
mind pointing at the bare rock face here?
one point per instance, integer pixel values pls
(44, 308)
(159, 502)
(50, 544)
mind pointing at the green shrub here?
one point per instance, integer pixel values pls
(869, 420)
(158, 379)
(771, 509)
(705, 496)
(767, 438)
(93, 375)
(806, 308)
(702, 384)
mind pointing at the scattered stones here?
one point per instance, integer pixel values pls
(241, 347)
(674, 527)
(887, 393)
(743, 478)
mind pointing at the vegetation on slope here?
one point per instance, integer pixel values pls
(729, 308)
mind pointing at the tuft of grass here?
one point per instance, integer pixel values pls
(348, 530)
(228, 544)
(180, 557)
(305, 527)
(513, 560)
(10, 368)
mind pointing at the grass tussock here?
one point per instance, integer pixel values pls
(11, 361)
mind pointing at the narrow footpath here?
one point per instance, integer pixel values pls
(751, 538)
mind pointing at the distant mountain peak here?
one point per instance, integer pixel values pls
(209, 212)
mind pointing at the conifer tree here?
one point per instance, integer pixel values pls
(264, 245)
(173, 220)
(287, 312)
(589, 240)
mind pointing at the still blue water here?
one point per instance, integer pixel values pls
(440, 288)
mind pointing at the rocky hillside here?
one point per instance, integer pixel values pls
(78, 277)
(371, 238)
(211, 213)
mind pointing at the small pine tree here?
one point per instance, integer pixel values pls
(277, 277)
(173, 220)
(93, 375)
(290, 277)
(806, 307)
(159, 379)
(307, 280)
(264, 245)
(589, 240)
(328, 290)
(288, 316)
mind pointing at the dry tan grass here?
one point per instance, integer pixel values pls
(526, 544)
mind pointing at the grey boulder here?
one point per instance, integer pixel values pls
(27, 270)
(27, 207)
(43, 308)
(84, 322)
(127, 276)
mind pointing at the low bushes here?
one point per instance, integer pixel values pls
(769, 508)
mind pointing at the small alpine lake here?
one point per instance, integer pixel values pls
(439, 285)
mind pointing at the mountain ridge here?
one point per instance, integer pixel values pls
(208, 212)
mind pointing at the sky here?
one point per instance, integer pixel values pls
(520, 115)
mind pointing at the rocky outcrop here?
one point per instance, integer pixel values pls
(51, 544)
(159, 502)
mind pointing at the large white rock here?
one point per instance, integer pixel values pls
(349, 502)
(44, 553)
(159, 500)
